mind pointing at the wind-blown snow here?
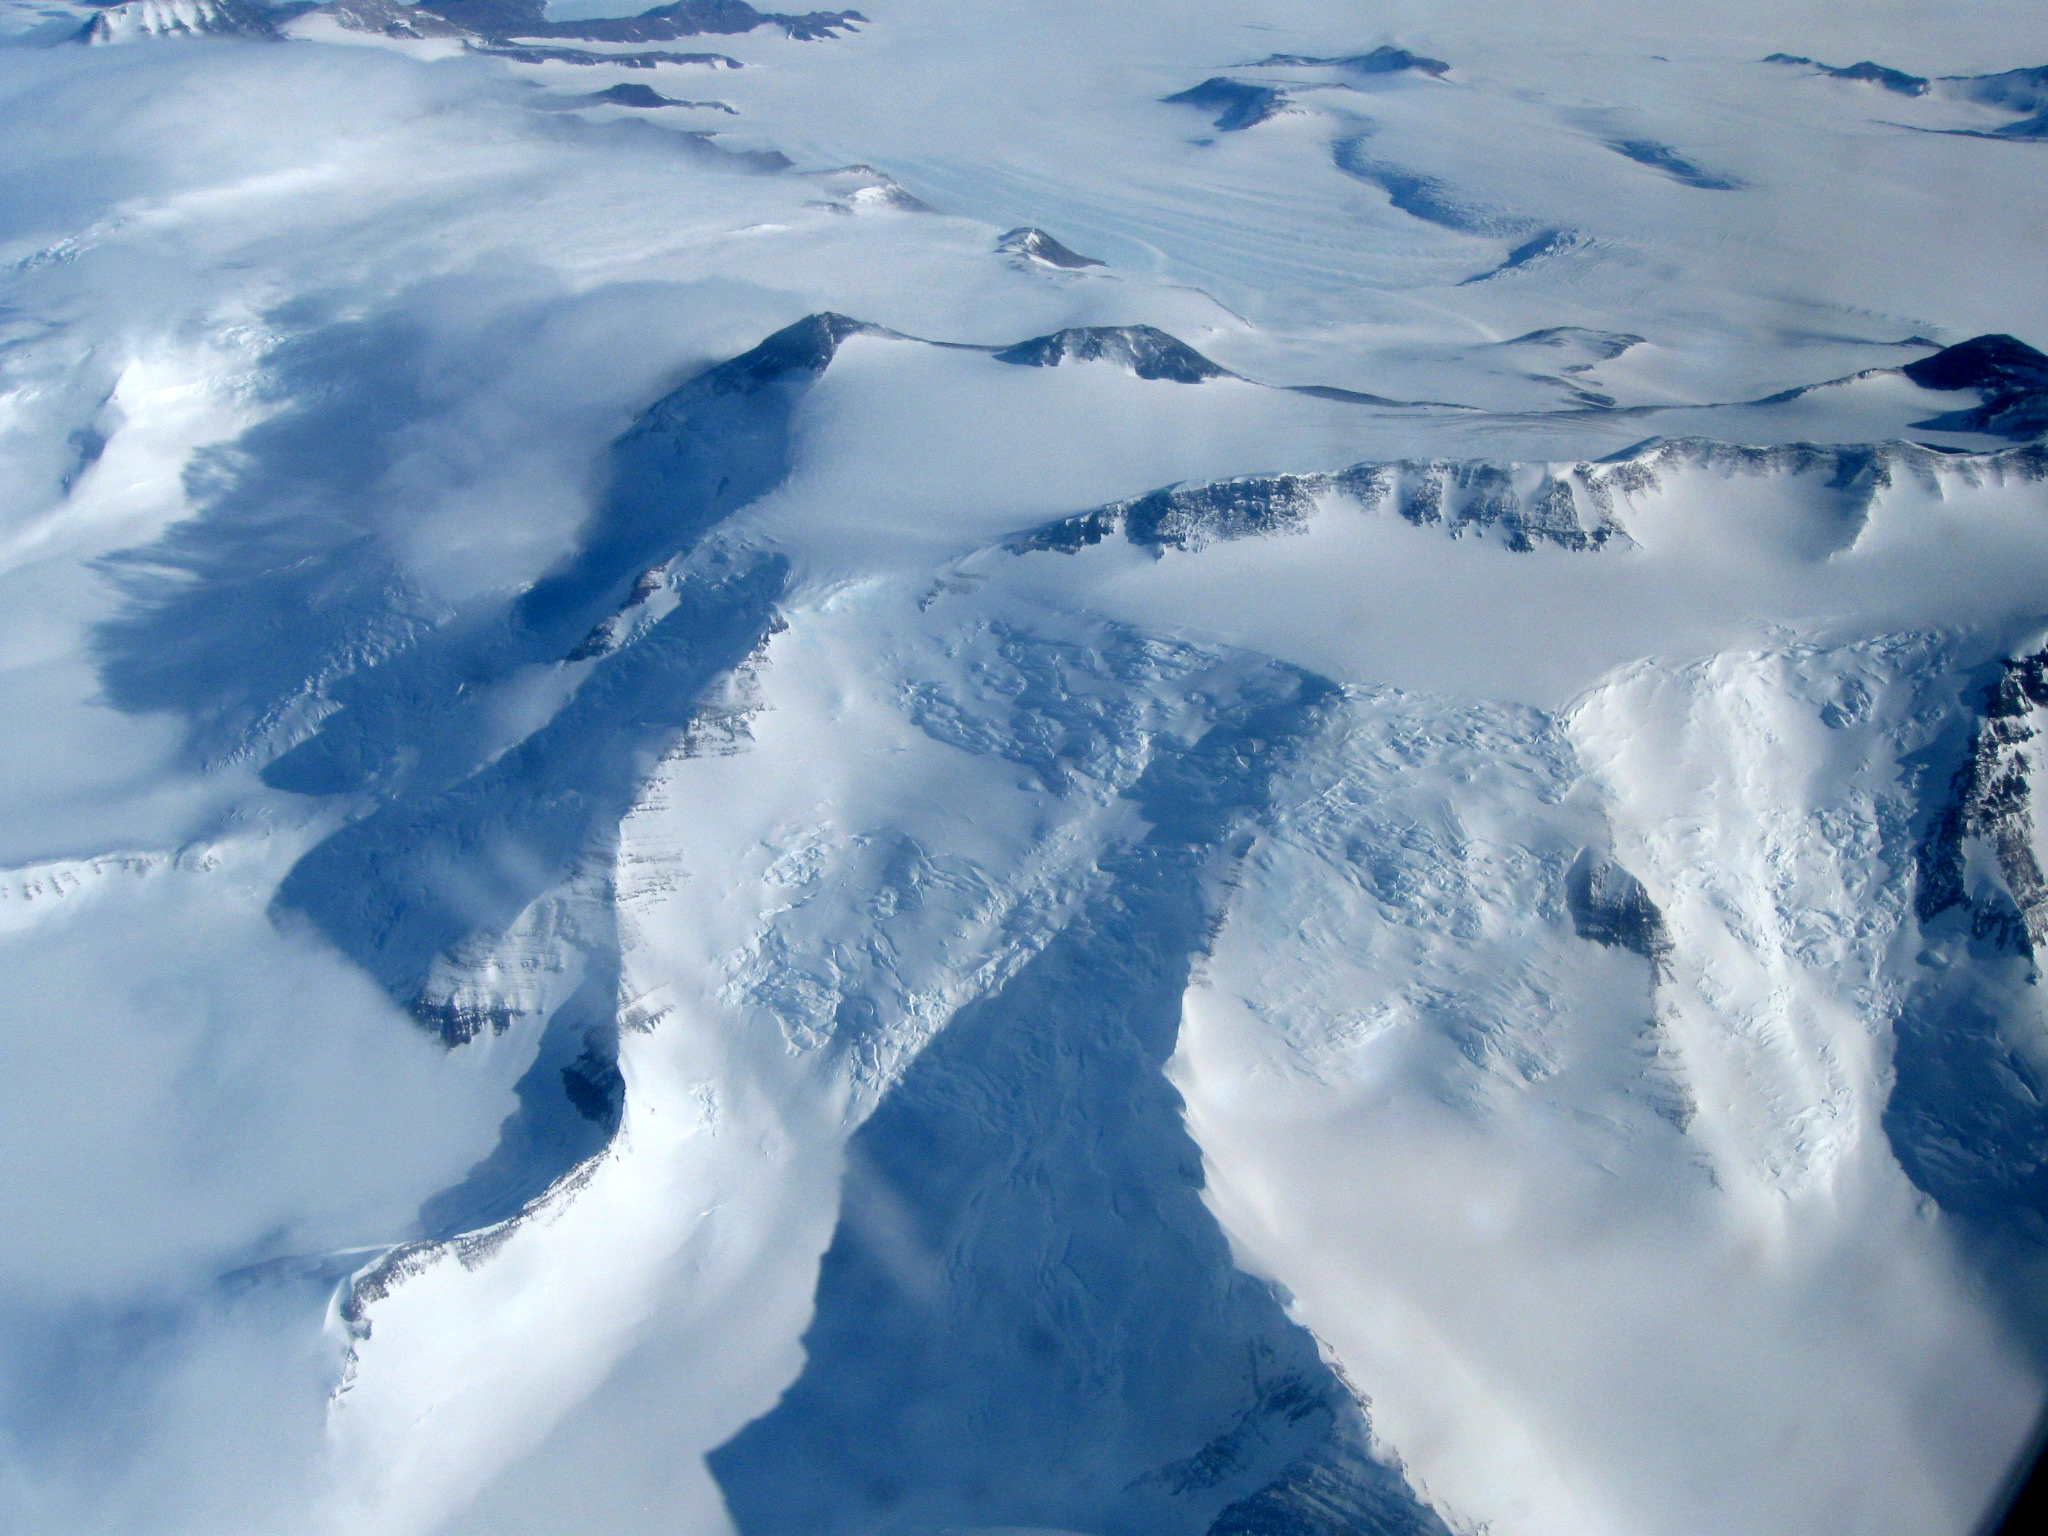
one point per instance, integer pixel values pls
(698, 834)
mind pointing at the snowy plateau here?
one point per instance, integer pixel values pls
(1022, 767)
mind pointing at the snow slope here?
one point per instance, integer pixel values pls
(1109, 770)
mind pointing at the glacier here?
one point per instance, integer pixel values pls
(1022, 770)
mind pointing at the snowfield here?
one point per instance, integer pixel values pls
(1150, 770)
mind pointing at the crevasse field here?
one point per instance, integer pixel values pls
(1022, 767)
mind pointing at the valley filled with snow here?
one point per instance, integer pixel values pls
(1181, 768)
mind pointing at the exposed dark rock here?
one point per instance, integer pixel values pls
(1141, 349)
(634, 94)
(1567, 506)
(1609, 906)
(684, 18)
(1335, 1491)
(1037, 245)
(1236, 103)
(797, 352)
(1992, 363)
(592, 1083)
(2008, 376)
(2013, 90)
(1381, 61)
(1992, 800)
(649, 60)
(1968, 1113)
(458, 1021)
(1877, 74)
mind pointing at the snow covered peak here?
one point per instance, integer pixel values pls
(1037, 245)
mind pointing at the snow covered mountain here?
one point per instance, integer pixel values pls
(1095, 771)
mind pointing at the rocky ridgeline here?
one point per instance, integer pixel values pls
(1570, 506)
(489, 24)
(1992, 805)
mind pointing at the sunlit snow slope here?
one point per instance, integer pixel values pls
(1165, 769)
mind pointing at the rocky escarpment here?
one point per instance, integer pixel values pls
(683, 18)
(1991, 809)
(1968, 1115)
(489, 26)
(1609, 906)
(1570, 506)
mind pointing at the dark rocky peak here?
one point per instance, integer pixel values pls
(2015, 90)
(1876, 74)
(631, 93)
(1037, 245)
(2007, 375)
(1236, 103)
(684, 18)
(796, 353)
(1380, 61)
(1141, 349)
(1983, 363)
(1609, 906)
(541, 54)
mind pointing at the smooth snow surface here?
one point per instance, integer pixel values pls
(1163, 769)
